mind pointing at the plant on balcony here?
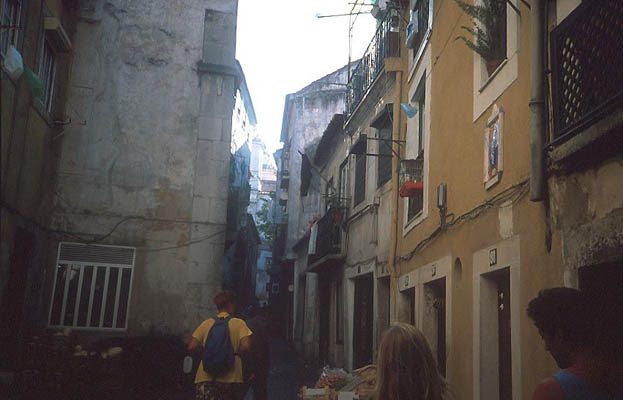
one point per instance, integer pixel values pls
(488, 33)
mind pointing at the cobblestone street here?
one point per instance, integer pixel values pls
(288, 372)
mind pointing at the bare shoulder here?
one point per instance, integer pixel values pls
(548, 389)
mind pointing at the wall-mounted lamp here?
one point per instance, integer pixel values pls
(441, 196)
(442, 203)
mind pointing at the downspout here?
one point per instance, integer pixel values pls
(537, 102)
(393, 248)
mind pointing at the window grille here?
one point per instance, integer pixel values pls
(92, 287)
(586, 64)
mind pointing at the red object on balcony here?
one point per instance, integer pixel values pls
(411, 189)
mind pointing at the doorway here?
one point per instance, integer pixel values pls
(434, 320)
(11, 316)
(324, 289)
(363, 321)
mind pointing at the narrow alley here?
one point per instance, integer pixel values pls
(288, 371)
(387, 197)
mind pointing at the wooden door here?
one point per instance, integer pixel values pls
(363, 321)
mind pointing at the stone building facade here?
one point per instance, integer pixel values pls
(127, 174)
(305, 116)
(349, 247)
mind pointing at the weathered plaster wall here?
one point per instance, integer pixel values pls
(587, 208)
(455, 158)
(150, 140)
(311, 110)
(29, 156)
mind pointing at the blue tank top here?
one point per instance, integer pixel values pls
(575, 388)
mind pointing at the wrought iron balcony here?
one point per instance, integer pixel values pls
(329, 235)
(586, 65)
(385, 43)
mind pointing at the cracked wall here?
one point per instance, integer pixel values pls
(587, 207)
(150, 138)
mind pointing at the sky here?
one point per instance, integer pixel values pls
(283, 47)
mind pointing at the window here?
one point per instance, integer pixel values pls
(416, 203)
(360, 178)
(384, 164)
(418, 26)
(498, 10)
(275, 288)
(47, 71)
(329, 195)
(92, 287)
(344, 181)
(500, 69)
(339, 312)
(10, 20)
(269, 262)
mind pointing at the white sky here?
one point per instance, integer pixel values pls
(283, 47)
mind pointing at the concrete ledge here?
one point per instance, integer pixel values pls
(590, 135)
(221, 69)
(329, 260)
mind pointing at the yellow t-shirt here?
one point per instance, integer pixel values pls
(238, 329)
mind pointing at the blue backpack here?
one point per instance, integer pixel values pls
(218, 352)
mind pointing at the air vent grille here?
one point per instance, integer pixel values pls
(96, 254)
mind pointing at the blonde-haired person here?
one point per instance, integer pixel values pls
(406, 367)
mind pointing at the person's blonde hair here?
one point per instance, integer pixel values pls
(406, 367)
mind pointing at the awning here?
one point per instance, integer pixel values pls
(384, 117)
(360, 146)
(324, 149)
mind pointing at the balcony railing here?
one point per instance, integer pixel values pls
(586, 65)
(384, 44)
(329, 235)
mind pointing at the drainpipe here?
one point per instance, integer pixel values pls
(537, 102)
(393, 248)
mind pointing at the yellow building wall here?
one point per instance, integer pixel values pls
(456, 158)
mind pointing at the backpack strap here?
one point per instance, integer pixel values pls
(228, 318)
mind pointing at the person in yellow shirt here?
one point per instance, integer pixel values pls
(229, 386)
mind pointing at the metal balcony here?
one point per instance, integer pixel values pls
(328, 238)
(385, 43)
(586, 66)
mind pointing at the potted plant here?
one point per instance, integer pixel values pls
(488, 33)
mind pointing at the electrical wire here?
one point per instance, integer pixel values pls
(189, 243)
(513, 194)
(99, 238)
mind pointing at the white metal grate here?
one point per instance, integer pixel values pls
(92, 287)
(75, 252)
